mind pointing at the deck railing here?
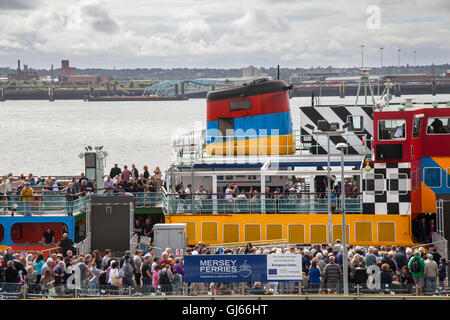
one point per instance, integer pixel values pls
(189, 146)
(54, 202)
(57, 203)
(173, 204)
(90, 288)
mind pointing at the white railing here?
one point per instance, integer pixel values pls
(84, 246)
(190, 146)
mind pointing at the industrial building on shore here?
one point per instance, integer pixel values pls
(23, 75)
(69, 74)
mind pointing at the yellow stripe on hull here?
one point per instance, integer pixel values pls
(362, 229)
(267, 145)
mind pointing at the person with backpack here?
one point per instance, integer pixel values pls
(127, 273)
(417, 267)
(165, 279)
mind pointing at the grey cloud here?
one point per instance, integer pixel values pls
(17, 4)
(99, 19)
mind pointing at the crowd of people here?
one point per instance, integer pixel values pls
(144, 272)
(23, 190)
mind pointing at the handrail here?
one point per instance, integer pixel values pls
(283, 205)
(199, 140)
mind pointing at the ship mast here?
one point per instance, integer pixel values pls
(364, 82)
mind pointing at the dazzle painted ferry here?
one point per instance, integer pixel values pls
(251, 176)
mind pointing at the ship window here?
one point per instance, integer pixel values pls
(416, 127)
(438, 126)
(356, 123)
(237, 105)
(226, 127)
(391, 129)
(375, 183)
(432, 177)
(398, 183)
(448, 177)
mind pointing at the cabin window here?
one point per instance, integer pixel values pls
(438, 126)
(432, 177)
(448, 177)
(356, 123)
(416, 127)
(237, 105)
(375, 183)
(226, 127)
(398, 183)
(391, 129)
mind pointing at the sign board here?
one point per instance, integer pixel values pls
(284, 267)
(242, 268)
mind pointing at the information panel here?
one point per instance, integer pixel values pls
(284, 267)
(242, 268)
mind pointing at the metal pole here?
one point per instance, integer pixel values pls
(362, 56)
(344, 236)
(131, 225)
(330, 226)
(381, 56)
(214, 191)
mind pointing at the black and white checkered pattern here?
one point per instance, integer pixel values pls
(387, 189)
(312, 115)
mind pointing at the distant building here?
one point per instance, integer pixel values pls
(315, 76)
(25, 75)
(66, 70)
(250, 71)
(418, 77)
(69, 74)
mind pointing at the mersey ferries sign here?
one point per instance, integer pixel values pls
(242, 268)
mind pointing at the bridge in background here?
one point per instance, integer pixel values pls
(184, 87)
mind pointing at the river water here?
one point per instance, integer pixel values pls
(45, 138)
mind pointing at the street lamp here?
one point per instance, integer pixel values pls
(399, 50)
(328, 129)
(381, 50)
(414, 58)
(342, 147)
(362, 56)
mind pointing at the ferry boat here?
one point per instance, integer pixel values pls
(395, 157)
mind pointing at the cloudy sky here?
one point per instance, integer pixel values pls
(222, 33)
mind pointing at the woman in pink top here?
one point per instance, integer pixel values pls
(155, 282)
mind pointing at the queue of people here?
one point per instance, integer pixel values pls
(374, 270)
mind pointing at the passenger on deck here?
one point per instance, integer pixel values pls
(27, 196)
(400, 132)
(48, 237)
(115, 171)
(438, 126)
